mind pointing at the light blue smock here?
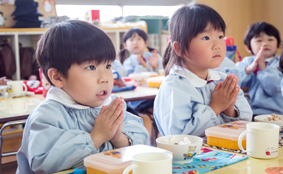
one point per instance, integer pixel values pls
(265, 87)
(182, 103)
(118, 67)
(56, 135)
(132, 65)
(229, 67)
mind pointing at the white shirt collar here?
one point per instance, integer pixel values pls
(61, 96)
(193, 78)
(270, 59)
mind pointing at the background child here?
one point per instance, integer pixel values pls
(193, 97)
(135, 41)
(79, 116)
(281, 69)
(140, 60)
(260, 72)
(118, 67)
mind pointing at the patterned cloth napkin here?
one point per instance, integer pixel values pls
(206, 161)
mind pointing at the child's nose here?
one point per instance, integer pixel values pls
(102, 79)
(264, 43)
(216, 47)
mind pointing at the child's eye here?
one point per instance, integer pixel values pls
(205, 38)
(108, 66)
(91, 67)
(221, 37)
(258, 40)
(270, 39)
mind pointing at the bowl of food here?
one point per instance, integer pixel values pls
(183, 147)
(271, 118)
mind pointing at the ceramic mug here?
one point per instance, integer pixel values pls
(151, 162)
(3, 90)
(15, 88)
(262, 140)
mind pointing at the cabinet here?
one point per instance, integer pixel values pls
(29, 36)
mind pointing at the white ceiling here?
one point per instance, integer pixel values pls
(123, 2)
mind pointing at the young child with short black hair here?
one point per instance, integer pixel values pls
(79, 116)
(259, 72)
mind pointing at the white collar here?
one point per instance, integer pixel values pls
(194, 79)
(61, 96)
(270, 59)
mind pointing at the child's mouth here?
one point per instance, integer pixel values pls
(216, 56)
(102, 94)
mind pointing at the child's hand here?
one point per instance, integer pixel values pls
(258, 60)
(224, 94)
(142, 62)
(3, 81)
(154, 60)
(107, 122)
(230, 111)
(118, 133)
(261, 62)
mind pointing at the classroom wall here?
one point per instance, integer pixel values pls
(238, 14)
(269, 11)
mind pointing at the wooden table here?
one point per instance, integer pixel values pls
(13, 109)
(140, 93)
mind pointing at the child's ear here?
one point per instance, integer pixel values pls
(55, 77)
(146, 42)
(125, 45)
(177, 48)
(248, 50)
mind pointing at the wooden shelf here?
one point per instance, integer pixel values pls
(22, 29)
(24, 35)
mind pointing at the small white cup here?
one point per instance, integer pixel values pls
(262, 140)
(151, 162)
(15, 88)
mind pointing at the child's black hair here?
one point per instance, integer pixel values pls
(255, 29)
(185, 24)
(73, 42)
(281, 62)
(129, 34)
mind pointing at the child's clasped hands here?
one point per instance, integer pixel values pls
(108, 124)
(225, 95)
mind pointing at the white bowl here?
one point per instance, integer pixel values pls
(181, 153)
(263, 118)
(142, 77)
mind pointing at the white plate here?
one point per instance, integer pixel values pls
(263, 118)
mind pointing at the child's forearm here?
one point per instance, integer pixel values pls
(97, 141)
(231, 112)
(123, 141)
(144, 64)
(248, 70)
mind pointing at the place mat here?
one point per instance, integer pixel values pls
(234, 151)
(206, 161)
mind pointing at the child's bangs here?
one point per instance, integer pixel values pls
(93, 47)
(208, 17)
(130, 33)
